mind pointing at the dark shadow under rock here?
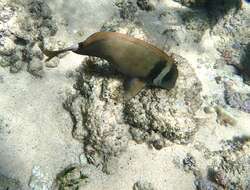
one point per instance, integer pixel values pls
(216, 9)
(146, 5)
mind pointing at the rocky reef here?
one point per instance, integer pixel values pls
(232, 171)
(157, 115)
(154, 116)
(195, 135)
(19, 36)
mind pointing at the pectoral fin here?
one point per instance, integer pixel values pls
(133, 87)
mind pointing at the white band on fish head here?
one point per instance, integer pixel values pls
(74, 47)
(158, 80)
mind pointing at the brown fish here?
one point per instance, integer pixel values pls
(144, 63)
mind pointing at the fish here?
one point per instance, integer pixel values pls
(143, 63)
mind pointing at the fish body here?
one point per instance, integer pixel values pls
(137, 59)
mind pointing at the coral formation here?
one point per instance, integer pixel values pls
(127, 9)
(103, 138)
(232, 172)
(157, 115)
(153, 116)
(17, 48)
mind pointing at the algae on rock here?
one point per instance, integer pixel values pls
(71, 178)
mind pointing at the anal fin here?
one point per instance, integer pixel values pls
(133, 87)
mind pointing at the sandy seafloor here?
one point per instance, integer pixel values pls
(36, 130)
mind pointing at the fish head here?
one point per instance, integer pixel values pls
(169, 80)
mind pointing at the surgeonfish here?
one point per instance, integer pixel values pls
(142, 62)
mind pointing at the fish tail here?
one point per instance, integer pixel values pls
(50, 54)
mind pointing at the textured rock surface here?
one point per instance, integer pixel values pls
(154, 116)
(72, 177)
(146, 5)
(8, 183)
(236, 98)
(19, 34)
(127, 9)
(232, 171)
(103, 132)
(212, 5)
(161, 137)
(204, 184)
(27, 141)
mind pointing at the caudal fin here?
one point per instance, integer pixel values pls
(50, 54)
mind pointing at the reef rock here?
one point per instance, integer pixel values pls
(156, 115)
(98, 116)
(237, 98)
(105, 122)
(22, 26)
(232, 172)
